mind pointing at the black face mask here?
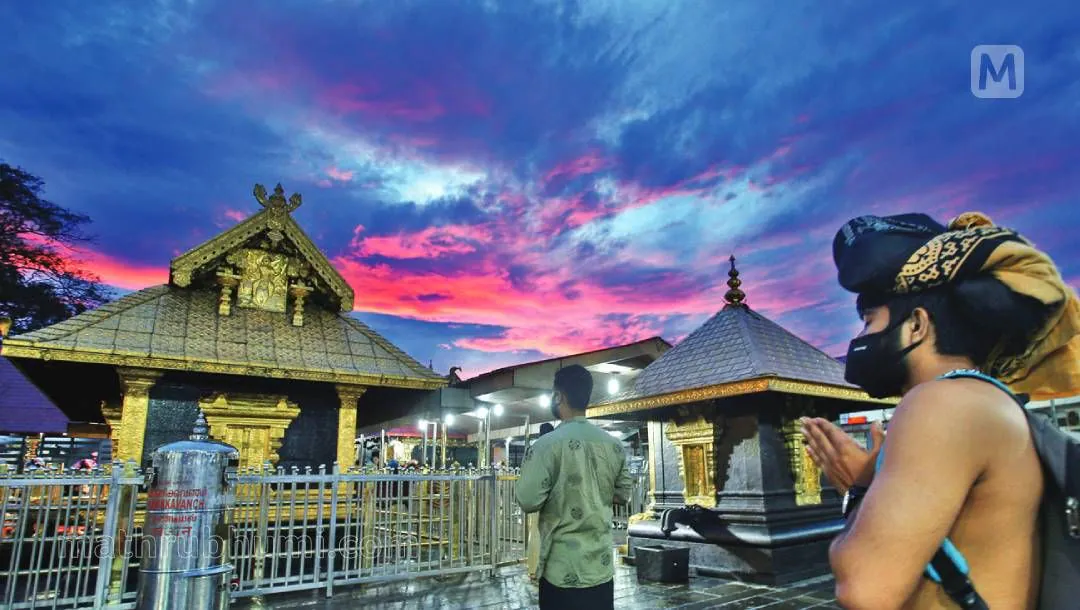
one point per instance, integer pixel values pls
(875, 362)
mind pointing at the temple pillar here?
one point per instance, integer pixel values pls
(253, 423)
(112, 412)
(135, 386)
(346, 431)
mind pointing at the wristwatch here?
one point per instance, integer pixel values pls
(854, 495)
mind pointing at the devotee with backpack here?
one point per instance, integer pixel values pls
(573, 476)
(970, 500)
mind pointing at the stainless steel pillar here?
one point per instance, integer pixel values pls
(185, 542)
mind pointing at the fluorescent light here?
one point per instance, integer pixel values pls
(498, 410)
(448, 419)
(545, 400)
(422, 423)
(612, 386)
(482, 412)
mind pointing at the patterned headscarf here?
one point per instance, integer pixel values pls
(912, 253)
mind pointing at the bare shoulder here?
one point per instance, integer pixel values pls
(951, 409)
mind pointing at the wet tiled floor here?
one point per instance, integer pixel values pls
(510, 589)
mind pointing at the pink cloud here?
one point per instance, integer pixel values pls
(368, 99)
(588, 163)
(432, 242)
(235, 215)
(340, 175)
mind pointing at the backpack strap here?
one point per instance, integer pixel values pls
(948, 567)
(948, 563)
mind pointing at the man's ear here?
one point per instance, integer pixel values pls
(920, 325)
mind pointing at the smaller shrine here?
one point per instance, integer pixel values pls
(729, 474)
(253, 330)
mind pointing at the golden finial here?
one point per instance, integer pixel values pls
(277, 200)
(734, 296)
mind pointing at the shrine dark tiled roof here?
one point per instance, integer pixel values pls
(736, 344)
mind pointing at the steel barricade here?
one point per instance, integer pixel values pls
(71, 540)
(68, 538)
(293, 531)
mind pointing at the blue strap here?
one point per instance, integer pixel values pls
(977, 375)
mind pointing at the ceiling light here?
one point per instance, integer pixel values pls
(448, 419)
(545, 400)
(498, 410)
(482, 412)
(612, 386)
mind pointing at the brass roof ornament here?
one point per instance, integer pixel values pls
(277, 200)
(734, 296)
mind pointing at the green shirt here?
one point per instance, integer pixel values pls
(572, 477)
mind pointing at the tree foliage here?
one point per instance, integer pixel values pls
(41, 282)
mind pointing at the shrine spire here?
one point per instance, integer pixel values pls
(734, 297)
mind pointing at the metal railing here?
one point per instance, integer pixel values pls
(68, 538)
(71, 539)
(292, 531)
(636, 504)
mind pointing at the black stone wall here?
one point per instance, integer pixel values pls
(170, 417)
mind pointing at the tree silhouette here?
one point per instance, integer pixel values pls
(40, 281)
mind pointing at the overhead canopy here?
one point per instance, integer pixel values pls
(24, 409)
(524, 388)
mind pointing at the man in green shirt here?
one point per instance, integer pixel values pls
(572, 477)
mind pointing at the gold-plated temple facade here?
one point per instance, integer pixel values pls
(804, 471)
(346, 432)
(253, 423)
(258, 301)
(264, 279)
(695, 441)
(134, 408)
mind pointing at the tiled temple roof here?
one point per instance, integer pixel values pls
(179, 329)
(737, 346)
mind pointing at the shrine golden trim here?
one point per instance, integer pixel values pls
(13, 349)
(737, 388)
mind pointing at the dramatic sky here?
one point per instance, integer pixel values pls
(502, 181)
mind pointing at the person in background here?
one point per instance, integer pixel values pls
(532, 521)
(89, 463)
(572, 477)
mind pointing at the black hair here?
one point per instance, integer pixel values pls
(576, 382)
(976, 317)
(545, 428)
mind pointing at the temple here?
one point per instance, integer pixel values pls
(729, 474)
(253, 329)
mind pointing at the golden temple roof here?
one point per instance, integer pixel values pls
(272, 223)
(259, 299)
(170, 328)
